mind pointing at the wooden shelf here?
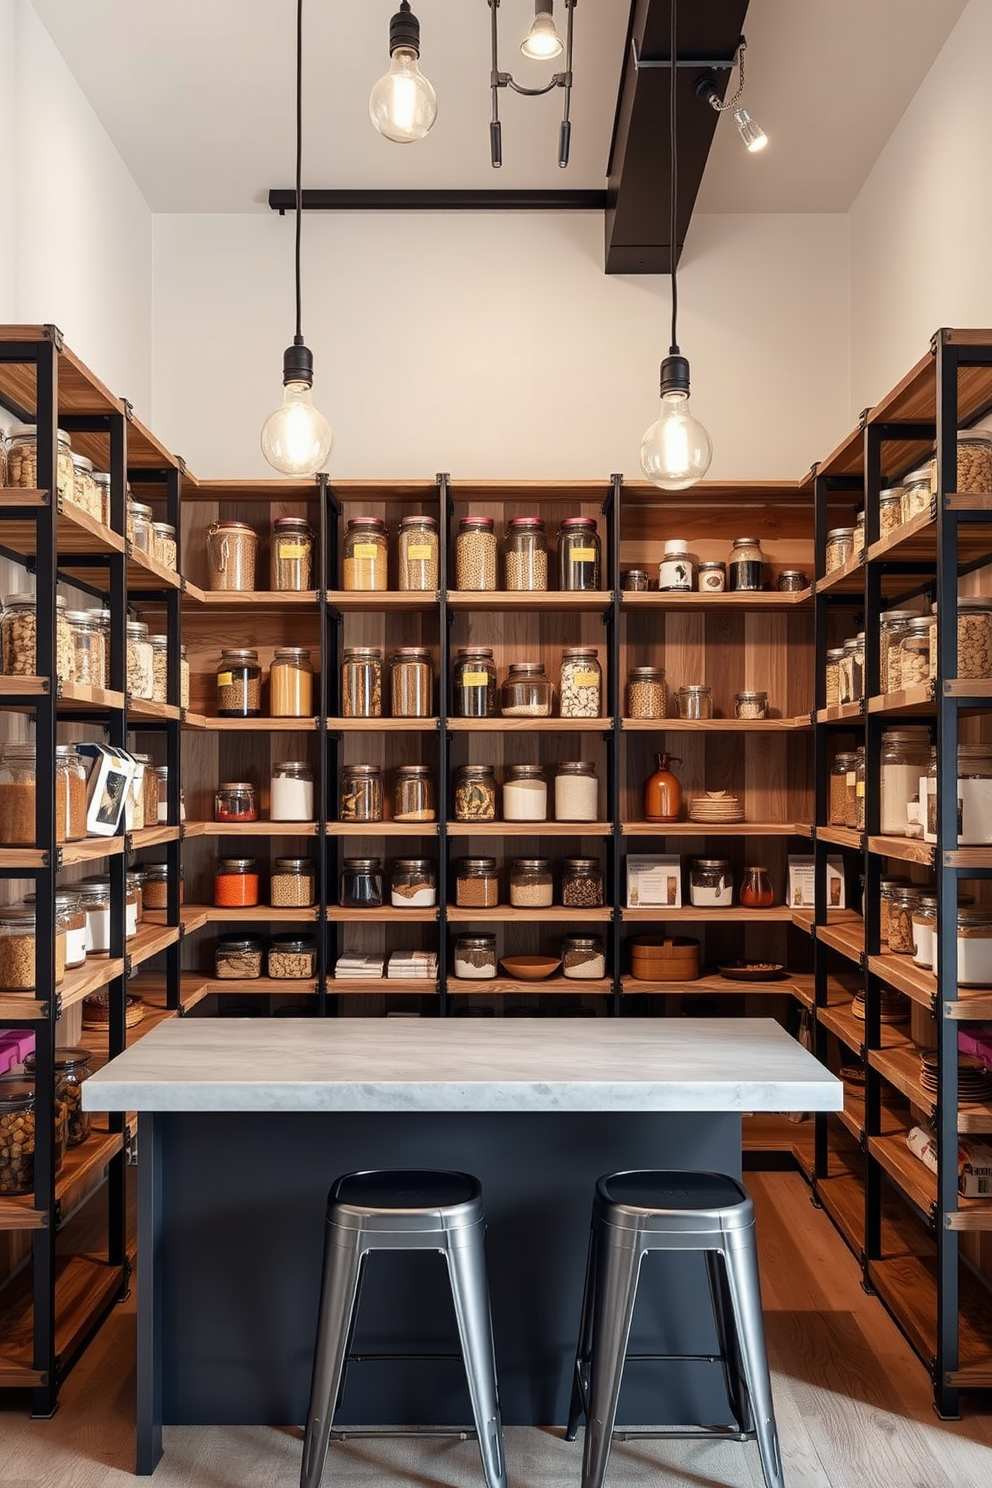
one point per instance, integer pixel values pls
(363, 986)
(905, 849)
(841, 837)
(849, 579)
(848, 937)
(841, 713)
(149, 941)
(711, 984)
(240, 599)
(917, 700)
(73, 696)
(529, 829)
(77, 533)
(22, 1007)
(85, 1287)
(384, 725)
(899, 1062)
(140, 709)
(197, 915)
(153, 837)
(801, 724)
(98, 971)
(194, 986)
(708, 829)
(91, 850)
(248, 725)
(530, 602)
(842, 1191)
(382, 829)
(779, 914)
(506, 914)
(387, 914)
(529, 725)
(555, 985)
(145, 572)
(726, 599)
(916, 1181)
(907, 1284)
(382, 601)
(251, 829)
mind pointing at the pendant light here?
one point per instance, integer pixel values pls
(542, 40)
(403, 104)
(296, 439)
(676, 451)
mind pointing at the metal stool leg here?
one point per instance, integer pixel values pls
(470, 1293)
(583, 1349)
(734, 1375)
(338, 1291)
(618, 1268)
(745, 1291)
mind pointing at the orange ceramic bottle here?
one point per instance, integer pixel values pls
(662, 792)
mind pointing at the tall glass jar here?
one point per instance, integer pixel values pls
(576, 791)
(924, 923)
(840, 548)
(366, 555)
(647, 695)
(905, 756)
(860, 808)
(974, 636)
(17, 795)
(891, 629)
(71, 1068)
(17, 948)
(160, 668)
(239, 685)
(413, 794)
(413, 884)
(475, 793)
(832, 686)
(974, 947)
(183, 678)
(475, 554)
(291, 683)
(361, 793)
(746, 564)
(581, 883)
(18, 632)
(17, 1135)
(101, 481)
(411, 682)
(476, 883)
(531, 885)
(164, 544)
(580, 683)
(917, 489)
(291, 555)
(417, 553)
(526, 692)
(914, 654)
(140, 661)
(139, 526)
(22, 460)
(974, 465)
(525, 554)
(525, 793)
(292, 884)
(361, 682)
(889, 510)
(70, 794)
(902, 901)
(361, 883)
(232, 551)
(291, 791)
(579, 554)
(88, 647)
(474, 683)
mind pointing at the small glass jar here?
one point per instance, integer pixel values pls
(361, 883)
(183, 678)
(361, 682)
(291, 683)
(475, 554)
(904, 758)
(292, 883)
(974, 464)
(292, 957)
(475, 957)
(711, 577)
(832, 689)
(160, 668)
(974, 636)
(411, 682)
(583, 958)
(886, 885)
(581, 883)
(236, 883)
(17, 1135)
(579, 554)
(17, 948)
(917, 490)
(232, 550)
(892, 627)
(70, 794)
(474, 683)
(101, 481)
(576, 791)
(525, 554)
(18, 632)
(72, 1066)
(417, 554)
(361, 793)
(899, 930)
(17, 795)
(974, 947)
(711, 883)
(413, 884)
(526, 692)
(149, 792)
(580, 683)
(647, 695)
(140, 661)
(860, 809)
(695, 701)
(791, 581)
(88, 647)
(531, 885)
(238, 958)
(291, 555)
(635, 581)
(914, 654)
(22, 461)
(889, 510)
(746, 565)
(239, 684)
(852, 669)
(413, 794)
(155, 889)
(136, 887)
(164, 549)
(475, 793)
(751, 705)
(924, 923)
(676, 571)
(756, 888)
(236, 801)
(525, 793)
(476, 883)
(139, 525)
(840, 548)
(366, 555)
(291, 791)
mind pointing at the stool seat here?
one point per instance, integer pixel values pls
(413, 1200)
(667, 1201)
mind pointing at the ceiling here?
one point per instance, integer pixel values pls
(197, 96)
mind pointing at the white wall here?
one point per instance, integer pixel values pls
(493, 345)
(8, 149)
(922, 224)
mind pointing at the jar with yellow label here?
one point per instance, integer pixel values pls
(239, 685)
(417, 553)
(474, 683)
(366, 554)
(580, 683)
(291, 554)
(578, 554)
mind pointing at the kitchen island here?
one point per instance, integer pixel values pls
(243, 1125)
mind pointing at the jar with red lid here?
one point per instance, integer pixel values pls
(525, 554)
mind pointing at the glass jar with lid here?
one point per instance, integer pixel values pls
(413, 794)
(905, 756)
(475, 554)
(366, 555)
(71, 916)
(840, 548)
(162, 771)
(695, 701)
(756, 888)
(711, 576)
(531, 885)
(292, 956)
(239, 684)
(885, 887)
(155, 889)
(72, 1066)
(914, 653)
(17, 1134)
(236, 801)
(974, 636)
(236, 883)
(411, 682)
(413, 884)
(580, 683)
(525, 554)
(711, 883)
(476, 883)
(474, 683)
(475, 793)
(183, 678)
(164, 549)
(581, 883)
(361, 883)
(292, 883)
(677, 570)
(832, 676)
(525, 793)
(17, 795)
(889, 510)
(101, 481)
(139, 526)
(238, 957)
(361, 682)
(140, 661)
(902, 901)
(17, 948)
(852, 669)
(924, 924)
(18, 635)
(579, 554)
(22, 461)
(647, 695)
(291, 683)
(636, 580)
(291, 555)
(576, 791)
(860, 806)
(232, 551)
(791, 581)
(88, 647)
(475, 957)
(101, 619)
(526, 691)
(291, 791)
(751, 705)
(974, 947)
(974, 466)
(135, 883)
(746, 564)
(160, 668)
(583, 957)
(361, 793)
(891, 629)
(917, 489)
(417, 553)
(70, 794)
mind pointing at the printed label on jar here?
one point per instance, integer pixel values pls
(365, 550)
(582, 555)
(419, 551)
(474, 679)
(292, 550)
(585, 679)
(225, 679)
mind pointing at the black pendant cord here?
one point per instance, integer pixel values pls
(298, 338)
(673, 349)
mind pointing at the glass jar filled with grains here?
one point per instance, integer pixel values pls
(476, 883)
(840, 547)
(139, 526)
(160, 668)
(361, 883)
(576, 791)
(892, 627)
(140, 661)
(239, 957)
(413, 794)
(580, 683)
(411, 682)
(412, 884)
(531, 884)
(695, 701)
(475, 793)
(239, 684)
(746, 564)
(164, 544)
(647, 695)
(751, 705)
(791, 581)
(473, 693)
(149, 792)
(917, 489)
(579, 554)
(17, 948)
(18, 632)
(3, 458)
(889, 510)
(236, 883)
(361, 793)
(914, 653)
(885, 888)
(974, 636)
(581, 883)
(17, 795)
(101, 481)
(583, 957)
(72, 916)
(525, 793)
(904, 758)
(417, 553)
(292, 957)
(361, 682)
(526, 691)
(88, 647)
(366, 554)
(155, 889)
(291, 555)
(525, 554)
(70, 798)
(22, 461)
(183, 678)
(291, 683)
(860, 809)
(475, 957)
(292, 883)
(475, 554)
(832, 676)
(902, 902)
(974, 465)
(17, 1135)
(232, 551)
(236, 801)
(291, 791)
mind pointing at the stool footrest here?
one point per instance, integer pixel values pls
(665, 1358)
(343, 1433)
(729, 1433)
(404, 1358)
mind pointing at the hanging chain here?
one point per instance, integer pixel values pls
(722, 108)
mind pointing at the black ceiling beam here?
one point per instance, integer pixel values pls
(638, 177)
(284, 200)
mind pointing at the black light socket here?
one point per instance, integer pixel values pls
(675, 375)
(297, 364)
(404, 30)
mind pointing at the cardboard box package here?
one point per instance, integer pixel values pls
(801, 875)
(654, 881)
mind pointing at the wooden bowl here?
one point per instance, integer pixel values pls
(529, 968)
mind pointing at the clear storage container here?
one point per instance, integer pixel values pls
(832, 687)
(840, 548)
(17, 1135)
(292, 957)
(236, 883)
(892, 627)
(576, 791)
(83, 492)
(413, 794)
(236, 801)
(711, 884)
(525, 554)
(647, 695)
(924, 923)
(140, 661)
(366, 555)
(476, 884)
(291, 791)
(889, 510)
(475, 793)
(695, 701)
(711, 577)
(361, 682)
(160, 668)
(475, 554)
(581, 883)
(531, 885)
(676, 571)
(411, 682)
(292, 884)
(413, 884)
(579, 554)
(417, 553)
(914, 654)
(17, 795)
(18, 635)
(164, 544)
(974, 466)
(232, 552)
(239, 958)
(746, 565)
(751, 705)
(291, 683)
(583, 957)
(475, 957)
(525, 793)
(474, 683)
(239, 684)
(526, 692)
(291, 555)
(905, 756)
(902, 901)
(974, 637)
(22, 461)
(580, 683)
(917, 490)
(361, 793)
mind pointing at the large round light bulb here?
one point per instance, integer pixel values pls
(403, 104)
(676, 451)
(296, 439)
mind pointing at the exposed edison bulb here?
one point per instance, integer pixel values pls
(542, 40)
(752, 134)
(296, 439)
(403, 104)
(676, 451)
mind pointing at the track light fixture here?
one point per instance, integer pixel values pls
(403, 104)
(752, 134)
(542, 41)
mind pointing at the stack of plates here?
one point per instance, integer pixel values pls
(716, 808)
(974, 1080)
(895, 1007)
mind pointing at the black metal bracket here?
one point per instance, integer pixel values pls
(722, 63)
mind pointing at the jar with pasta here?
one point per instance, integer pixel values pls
(18, 639)
(88, 647)
(840, 547)
(902, 901)
(525, 554)
(974, 636)
(889, 510)
(164, 548)
(232, 550)
(475, 793)
(366, 555)
(580, 683)
(974, 465)
(291, 683)
(140, 668)
(83, 492)
(917, 490)
(361, 793)
(22, 461)
(411, 682)
(475, 554)
(891, 629)
(914, 654)
(239, 684)
(291, 555)
(417, 553)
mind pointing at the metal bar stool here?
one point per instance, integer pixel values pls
(404, 1209)
(637, 1212)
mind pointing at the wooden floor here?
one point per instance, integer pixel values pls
(853, 1406)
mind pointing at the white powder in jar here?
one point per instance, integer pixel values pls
(576, 797)
(290, 800)
(525, 800)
